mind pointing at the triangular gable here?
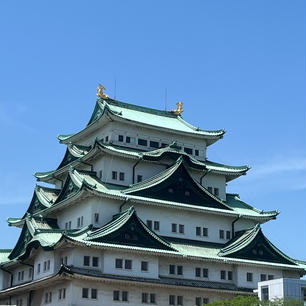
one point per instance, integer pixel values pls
(176, 184)
(253, 245)
(128, 229)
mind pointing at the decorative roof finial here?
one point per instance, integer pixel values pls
(179, 109)
(100, 92)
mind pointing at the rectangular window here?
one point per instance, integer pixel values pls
(163, 145)
(198, 272)
(106, 139)
(249, 277)
(198, 231)
(179, 270)
(179, 300)
(209, 189)
(222, 274)
(85, 293)
(144, 297)
(118, 263)
(50, 297)
(156, 225)
(64, 293)
(139, 178)
(265, 293)
(127, 139)
(121, 176)
(86, 261)
(196, 152)
(174, 227)
(171, 269)
(198, 301)
(45, 266)
(116, 295)
(114, 175)
(229, 275)
(30, 272)
(38, 268)
(128, 264)
(144, 266)
(60, 294)
(263, 277)
(95, 261)
(142, 142)
(205, 231)
(46, 297)
(171, 299)
(69, 225)
(154, 144)
(205, 272)
(205, 300)
(100, 174)
(221, 234)
(149, 224)
(181, 228)
(48, 266)
(270, 277)
(79, 222)
(94, 294)
(216, 192)
(228, 235)
(120, 138)
(152, 298)
(96, 217)
(125, 296)
(188, 150)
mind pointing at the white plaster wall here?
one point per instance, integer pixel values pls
(243, 224)
(40, 257)
(109, 264)
(242, 275)
(87, 208)
(77, 257)
(105, 294)
(167, 216)
(214, 180)
(20, 268)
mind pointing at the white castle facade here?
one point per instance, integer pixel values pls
(138, 215)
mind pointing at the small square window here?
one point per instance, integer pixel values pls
(128, 264)
(125, 296)
(270, 277)
(85, 293)
(152, 298)
(229, 275)
(144, 266)
(114, 175)
(198, 272)
(228, 235)
(127, 139)
(121, 176)
(142, 142)
(181, 228)
(216, 192)
(209, 189)
(120, 138)
(149, 224)
(86, 261)
(95, 261)
(221, 234)
(118, 263)
(154, 144)
(205, 231)
(144, 297)
(171, 269)
(205, 272)
(156, 225)
(249, 277)
(139, 178)
(179, 300)
(174, 227)
(263, 277)
(223, 274)
(94, 294)
(116, 295)
(205, 300)
(179, 270)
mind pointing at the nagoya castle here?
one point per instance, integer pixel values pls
(135, 214)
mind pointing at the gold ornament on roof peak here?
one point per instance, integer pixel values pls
(179, 109)
(100, 92)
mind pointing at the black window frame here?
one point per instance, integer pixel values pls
(121, 176)
(172, 269)
(116, 295)
(120, 138)
(221, 234)
(149, 224)
(188, 150)
(181, 228)
(144, 266)
(205, 231)
(114, 175)
(128, 264)
(154, 144)
(85, 293)
(156, 226)
(230, 275)
(179, 270)
(139, 178)
(95, 261)
(197, 272)
(125, 296)
(205, 272)
(94, 293)
(174, 228)
(128, 139)
(119, 263)
(142, 142)
(223, 274)
(86, 261)
(249, 277)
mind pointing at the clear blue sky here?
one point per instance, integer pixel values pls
(238, 65)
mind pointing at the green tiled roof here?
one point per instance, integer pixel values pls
(144, 116)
